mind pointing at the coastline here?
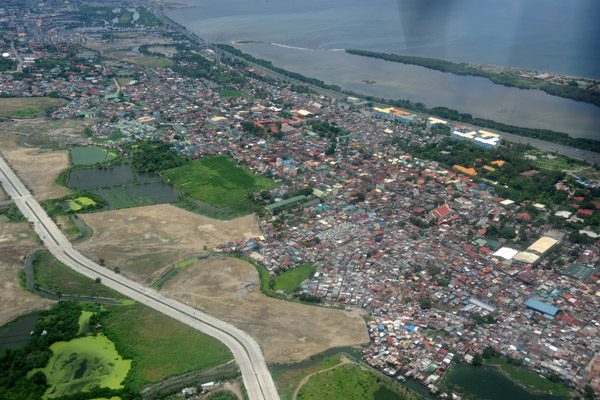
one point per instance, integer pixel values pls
(588, 145)
(553, 84)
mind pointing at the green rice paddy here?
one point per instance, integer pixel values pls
(218, 181)
(90, 155)
(82, 364)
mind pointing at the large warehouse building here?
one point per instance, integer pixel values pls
(542, 307)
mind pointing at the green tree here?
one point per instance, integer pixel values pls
(425, 303)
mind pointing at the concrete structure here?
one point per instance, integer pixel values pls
(482, 138)
(395, 114)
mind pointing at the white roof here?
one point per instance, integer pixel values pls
(506, 252)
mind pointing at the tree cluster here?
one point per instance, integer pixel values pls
(153, 158)
(60, 323)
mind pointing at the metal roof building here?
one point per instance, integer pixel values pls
(542, 307)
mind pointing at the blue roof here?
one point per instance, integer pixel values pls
(542, 307)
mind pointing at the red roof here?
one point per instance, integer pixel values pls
(441, 211)
(585, 211)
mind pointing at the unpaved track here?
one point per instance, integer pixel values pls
(257, 378)
(287, 332)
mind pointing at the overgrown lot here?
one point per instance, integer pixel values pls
(28, 106)
(160, 346)
(219, 182)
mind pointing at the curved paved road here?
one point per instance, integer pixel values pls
(257, 379)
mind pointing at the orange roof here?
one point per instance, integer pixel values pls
(468, 171)
(499, 162)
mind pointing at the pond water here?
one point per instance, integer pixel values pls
(91, 178)
(81, 364)
(486, 382)
(17, 333)
(89, 155)
(138, 195)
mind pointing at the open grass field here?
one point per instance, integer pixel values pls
(289, 381)
(124, 81)
(347, 382)
(530, 380)
(16, 240)
(218, 181)
(289, 280)
(287, 332)
(160, 346)
(52, 275)
(83, 363)
(145, 242)
(24, 107)
(38, 169)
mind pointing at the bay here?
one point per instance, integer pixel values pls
(510, 33)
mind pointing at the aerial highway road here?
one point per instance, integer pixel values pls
(257, 378)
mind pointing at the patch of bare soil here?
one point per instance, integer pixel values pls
(43, 132)
(287, 332)
(124, 41)
(36, 167)
(16, 242)
(144, 242)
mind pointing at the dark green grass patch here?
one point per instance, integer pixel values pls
(289, 280)
(218, 181)
(52, 275)
(346, 382)
(159, 346)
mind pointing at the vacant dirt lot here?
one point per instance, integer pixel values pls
(287, 332)
(144, 242)
(16, 241)
(27, 106)
(124, 41)
(42, 132)
(37, 168)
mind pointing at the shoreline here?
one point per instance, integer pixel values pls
(549, 137)
(553, 84)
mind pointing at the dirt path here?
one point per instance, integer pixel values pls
(17, 240)
(37, 169)
(144, 242)
(344, 360)
(287, 332)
